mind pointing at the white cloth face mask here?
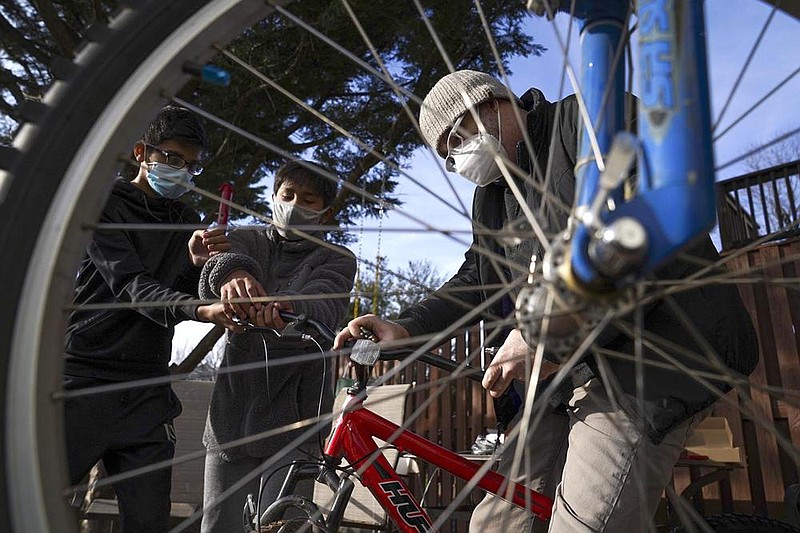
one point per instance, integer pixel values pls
(287, 214)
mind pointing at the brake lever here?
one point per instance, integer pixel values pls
(250, 327)
(292, 330)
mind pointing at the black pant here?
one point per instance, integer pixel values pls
(127, 429)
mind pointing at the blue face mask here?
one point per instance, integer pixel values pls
(158, 178)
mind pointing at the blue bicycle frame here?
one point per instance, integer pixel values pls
(675, 162)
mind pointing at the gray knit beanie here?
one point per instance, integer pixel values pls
(452, 96)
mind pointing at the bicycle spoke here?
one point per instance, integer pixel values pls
(768, 278)
(745, 66)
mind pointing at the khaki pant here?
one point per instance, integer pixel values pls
(602, 471)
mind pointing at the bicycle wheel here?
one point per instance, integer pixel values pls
(54, 180)
(100, 105)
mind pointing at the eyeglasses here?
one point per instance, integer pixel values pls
(195, 168)
(454, 140)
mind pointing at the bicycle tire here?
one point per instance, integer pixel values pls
(105, 96)
(46, 200)
(743, 523)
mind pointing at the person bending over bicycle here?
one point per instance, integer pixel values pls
(132, 428)
(605, 458)
(277, 265)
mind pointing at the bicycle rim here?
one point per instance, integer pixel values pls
(124, 71)
(54, 186)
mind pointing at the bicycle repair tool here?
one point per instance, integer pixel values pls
(226, 196)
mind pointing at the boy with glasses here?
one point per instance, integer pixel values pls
(145, 282)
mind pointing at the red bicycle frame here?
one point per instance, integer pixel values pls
(352, 440)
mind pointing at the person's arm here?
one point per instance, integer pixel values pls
(117, 261)
(219, 268)
(187, 280)
(465, 290)
(233, 275)
(458, 296)
(446, 304)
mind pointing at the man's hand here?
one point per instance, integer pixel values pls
(215, 313)
(509, 364)
(207, 243)
(241, 285)
(383, 330)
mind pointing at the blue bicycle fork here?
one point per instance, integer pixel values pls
(675, 201)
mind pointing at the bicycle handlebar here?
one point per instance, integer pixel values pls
(296, 322)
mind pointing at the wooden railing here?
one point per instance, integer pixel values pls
(761, 204)
(775, 309)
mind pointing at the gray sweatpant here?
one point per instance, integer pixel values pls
(223, 514)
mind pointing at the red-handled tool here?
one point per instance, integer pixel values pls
(226, 193)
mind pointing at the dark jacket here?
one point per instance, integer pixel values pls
(671, 396)
(246, 403)
(132, 267)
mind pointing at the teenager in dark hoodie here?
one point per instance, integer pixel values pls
(149, 280)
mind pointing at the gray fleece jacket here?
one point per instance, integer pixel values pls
(249, 402)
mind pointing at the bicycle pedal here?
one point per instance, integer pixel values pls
(365, 352)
